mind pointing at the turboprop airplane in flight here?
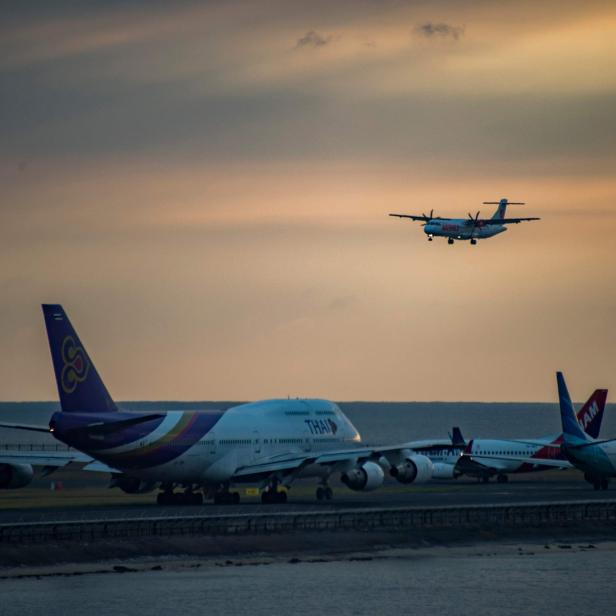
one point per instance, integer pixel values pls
(270, 443)
(472, 228)
(484, 458)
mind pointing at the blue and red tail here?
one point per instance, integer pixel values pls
(80, 387)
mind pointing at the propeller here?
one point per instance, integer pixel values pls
(474, 220)
(428, 218)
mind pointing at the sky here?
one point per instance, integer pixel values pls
(205, 186)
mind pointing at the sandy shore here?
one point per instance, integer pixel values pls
(195, 552)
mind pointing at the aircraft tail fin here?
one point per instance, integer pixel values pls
(457, 440)
(501, 210)
(571, 428)
(591, 414)
(79, 386)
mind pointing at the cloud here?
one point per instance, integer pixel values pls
(430, 30)
(313, 39)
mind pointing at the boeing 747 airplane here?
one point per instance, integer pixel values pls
(472, 228)
(204, 453)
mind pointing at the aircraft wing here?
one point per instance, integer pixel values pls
(411, 216)
(289, 463)
(42, 457)
(483, 461)
(506, 221)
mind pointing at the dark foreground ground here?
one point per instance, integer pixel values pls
(79, 500)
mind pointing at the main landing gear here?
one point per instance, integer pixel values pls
(188, 497)
(269, 497)
(225, 497)
(324, 493)
(450, 240)
(473, 241)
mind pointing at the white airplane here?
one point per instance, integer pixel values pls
(271, 443)
(596, 458)
(471, 228)
(484, 458)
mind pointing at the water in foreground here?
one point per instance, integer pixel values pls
(482, 579)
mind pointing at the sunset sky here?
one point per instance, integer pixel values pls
(205, 188)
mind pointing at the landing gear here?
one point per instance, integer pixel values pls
(502, 478)
(324, 493)
(450, 240)
(473, 241)
(598, 483)
(225, 497)
(430, 238)
(188, 497)
(269, 497)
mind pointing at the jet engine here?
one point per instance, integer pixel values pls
(414, 469)
(15, 476)
(444, 471)
(368, 476)
(132, 485)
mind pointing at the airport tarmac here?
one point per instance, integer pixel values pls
(32, 505)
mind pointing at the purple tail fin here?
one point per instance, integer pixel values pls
(79, 386)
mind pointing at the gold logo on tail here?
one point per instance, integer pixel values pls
(76, 365)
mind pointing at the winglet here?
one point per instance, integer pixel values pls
(571, 427)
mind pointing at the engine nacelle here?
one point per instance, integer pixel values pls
(14, 476)
(132, 485)
(414, 469)
(444, 471)
(369, 476)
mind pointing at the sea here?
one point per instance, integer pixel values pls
(480, 580)
(378, 422)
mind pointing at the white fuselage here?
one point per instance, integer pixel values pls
(511, 456)
(460, 229)
(252, 433)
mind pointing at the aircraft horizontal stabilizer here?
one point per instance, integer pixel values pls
(115, 426)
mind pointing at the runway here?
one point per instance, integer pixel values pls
(569, 487)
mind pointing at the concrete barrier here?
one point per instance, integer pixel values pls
(581, 515)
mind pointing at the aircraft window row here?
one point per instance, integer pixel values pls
(506, 453)
(326, 413)
(297, 413)
(235, 441)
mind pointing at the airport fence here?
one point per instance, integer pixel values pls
(581, 515)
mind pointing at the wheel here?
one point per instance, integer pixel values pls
(502, 478)
(450, 240)
(235, 498)
(473, 242)
(604, 484)
(320, 494)
(329, 493)
(166, 498)
(266, 497)
(281, 497)
(429, 238)
(197, 498)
